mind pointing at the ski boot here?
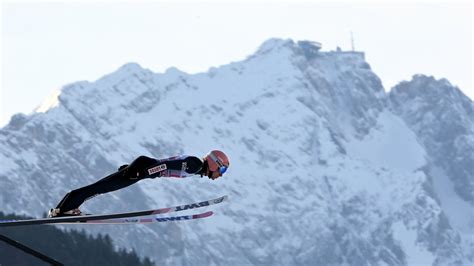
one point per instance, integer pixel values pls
(57, 213)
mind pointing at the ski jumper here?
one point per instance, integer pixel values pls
(141, 168)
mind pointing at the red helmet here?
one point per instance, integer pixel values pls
(217, 161)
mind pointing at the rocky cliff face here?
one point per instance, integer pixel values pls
(443, 119)
(325, 167)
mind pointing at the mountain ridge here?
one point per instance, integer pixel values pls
(310, 135)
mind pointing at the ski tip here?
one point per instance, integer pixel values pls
(203, 215)
(221, 199)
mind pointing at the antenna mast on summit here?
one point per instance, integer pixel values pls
(352, 42)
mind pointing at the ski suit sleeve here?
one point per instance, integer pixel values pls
(179, 167)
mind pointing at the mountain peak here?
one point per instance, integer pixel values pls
(430, 81)
(174, 71)
(131, 68)
(275, 44)
(428, 88)
(126, 70)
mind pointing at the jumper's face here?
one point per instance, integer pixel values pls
(213, 174)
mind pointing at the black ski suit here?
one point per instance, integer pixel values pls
(141, 168)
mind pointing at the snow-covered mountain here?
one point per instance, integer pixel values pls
(443, 119)
(326, 168)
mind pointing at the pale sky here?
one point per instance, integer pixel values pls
(49, 44)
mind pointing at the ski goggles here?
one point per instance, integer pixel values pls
(222, 169)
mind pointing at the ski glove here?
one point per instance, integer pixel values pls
(122, 167)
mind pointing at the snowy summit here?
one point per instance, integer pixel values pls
(327, 168)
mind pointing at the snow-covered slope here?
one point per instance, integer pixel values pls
(323, 172)
(443, 119)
